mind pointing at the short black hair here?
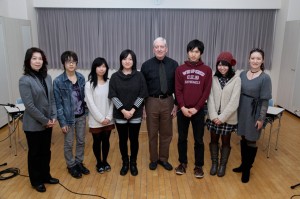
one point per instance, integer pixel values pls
(125, 54)
(68, 55)
(195, 44)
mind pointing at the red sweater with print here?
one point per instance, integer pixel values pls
(192, 84)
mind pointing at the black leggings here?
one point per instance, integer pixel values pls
(130, 131)
(101, 140)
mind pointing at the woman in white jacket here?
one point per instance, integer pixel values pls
(100, 111)
(222, 110)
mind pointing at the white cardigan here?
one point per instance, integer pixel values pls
(227, 99)
(100, 107)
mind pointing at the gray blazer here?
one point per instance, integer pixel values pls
(39, 108)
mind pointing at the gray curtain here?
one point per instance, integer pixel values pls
(106, 32)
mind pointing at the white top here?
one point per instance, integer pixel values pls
(226, 99)
(100, 107)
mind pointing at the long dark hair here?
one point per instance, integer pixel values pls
(262, 66)
(230, 73)
(125, 54)
(27, 67)
(99, 61)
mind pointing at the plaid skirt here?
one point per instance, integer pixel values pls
(223, 129)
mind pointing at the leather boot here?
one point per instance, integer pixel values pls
(225, 152)
(243, 145)
(214, 154)
(249, 160)
(125, 166)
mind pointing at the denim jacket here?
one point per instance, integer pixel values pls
(63, 98)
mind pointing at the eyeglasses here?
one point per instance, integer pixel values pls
(71, 62)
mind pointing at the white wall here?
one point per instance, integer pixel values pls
(193, 4)
(293, 10)
(13, 9)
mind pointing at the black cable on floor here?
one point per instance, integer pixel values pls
(9, 173)
(294, 196)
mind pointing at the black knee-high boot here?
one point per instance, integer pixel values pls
(243, 145)
(249, 160)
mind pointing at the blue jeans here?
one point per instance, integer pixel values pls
(77, 130)
(183, 123)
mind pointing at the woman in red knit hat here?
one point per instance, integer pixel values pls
(222, 104)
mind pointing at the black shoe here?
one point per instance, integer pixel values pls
(106, 166)
(124, 169)
(100, 168)
(74, 172)
(83, 169)
(40, 188)
(166, 165)
(153, 165)
(52, 181)
(133, 169)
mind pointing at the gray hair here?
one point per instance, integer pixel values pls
(160, 39)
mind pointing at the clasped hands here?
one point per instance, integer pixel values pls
(51, 123)
(188, 112)
(128, 114)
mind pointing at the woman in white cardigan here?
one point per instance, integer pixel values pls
(222, 110)
(100, 111)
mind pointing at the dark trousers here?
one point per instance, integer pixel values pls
(130, 131)
(101, 143)
(183, 123)
(39, 155)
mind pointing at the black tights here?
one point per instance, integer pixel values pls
(101, 140)
(225, 139)
(130, 131)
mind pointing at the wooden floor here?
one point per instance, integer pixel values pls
(270, 177)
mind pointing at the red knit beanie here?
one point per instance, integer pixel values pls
(226, 56)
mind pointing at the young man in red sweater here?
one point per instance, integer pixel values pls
(193, 82)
